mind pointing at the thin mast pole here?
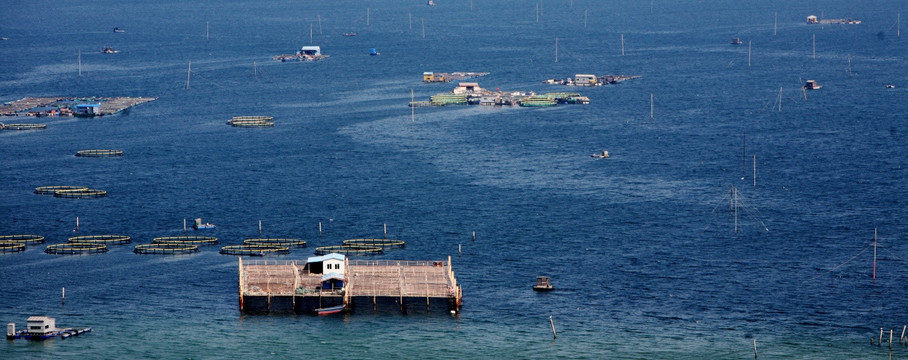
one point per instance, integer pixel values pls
(188, 72)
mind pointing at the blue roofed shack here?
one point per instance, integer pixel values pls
(88, 109)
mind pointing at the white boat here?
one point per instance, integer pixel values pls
(812, 85)
(603, 155)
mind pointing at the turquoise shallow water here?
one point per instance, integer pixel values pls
(641, 247)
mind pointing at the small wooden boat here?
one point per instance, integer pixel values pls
(349, 34)
(109, 50)
(330, 310)
(603, 155)
(118, 30)
(890, 86)
(200, 226)
(543, 283)
(812, 85)
(736, 41)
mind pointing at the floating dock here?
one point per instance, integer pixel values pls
(469, 93)
(70, 106)
(812, 19)
(304, 286)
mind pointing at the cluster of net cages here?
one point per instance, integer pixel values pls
(251, 121)
(349, 250)
(254, 250)
(165, 249)
(101, 239)
(17, 243)
(23, 126)
(290, 243)
(70, 191)
(99, 153)
(76, 248)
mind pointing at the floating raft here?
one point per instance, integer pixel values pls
(80, 193)
(431, 77)
(63, 105)
(76, 249)
(22, 126)
(186, 240)
(276, 242)
(379, 243)
(21, 239)
(165, 249)
(101, 239)
(251, 121)
(99, 153)
(51, 190)
(348, 250)
(254, 250)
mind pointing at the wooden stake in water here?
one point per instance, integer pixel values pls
(735, 207)
(880, 343)
(319, 228)
(386, 230)
(459, 250)
(63, 296)
(622, 44)
(184, 224)
(748, 53)
(206, 31)
(552, 321)
(780, 99)
(80, 62)
(319, 24)
(874, 266)
(368, 11)
(755, 172)
(474, 236)
(775, 23)
(556, 49)
(188, 72)
(585, 15)
(310, 34)
(255, 70)
(537, 13)
(412, 108)
(77, 223)
(411, 20)
(652, 107)
(423, 27)
(755, 348)
(814, 46)
(260, 227)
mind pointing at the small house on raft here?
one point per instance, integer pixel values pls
(333, 280)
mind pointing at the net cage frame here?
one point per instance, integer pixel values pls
(101, 239)
(165, 249)
(99, 153)
(21, 239)
(349, 250)
(52, 189)
(254, 250)
(380, 243)
(80, 194)
(11, 247)
(75, 248)
(285, 242)
(186, 240)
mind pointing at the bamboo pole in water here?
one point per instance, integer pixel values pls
(554, 334)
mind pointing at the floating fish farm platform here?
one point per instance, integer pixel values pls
(70, 106)
(306, 286)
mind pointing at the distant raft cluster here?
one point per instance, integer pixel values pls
(87, 244)
(360, 247)
(70, 191)
(251, 121)
(263, 246)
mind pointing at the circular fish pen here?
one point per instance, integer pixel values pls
(101, 239)
(186, 240)
(75, 249)
(251, 121)
(11, 247)
(348, 250)
(80, 193)
(165, 249)
(23, 126)
(379, 243)
(276, 242)
(99, 153)
(254, 250)
(52, 190)
(21, 239)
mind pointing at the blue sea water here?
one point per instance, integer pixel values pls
(642, 247)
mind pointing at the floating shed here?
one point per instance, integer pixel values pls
(303, 286)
